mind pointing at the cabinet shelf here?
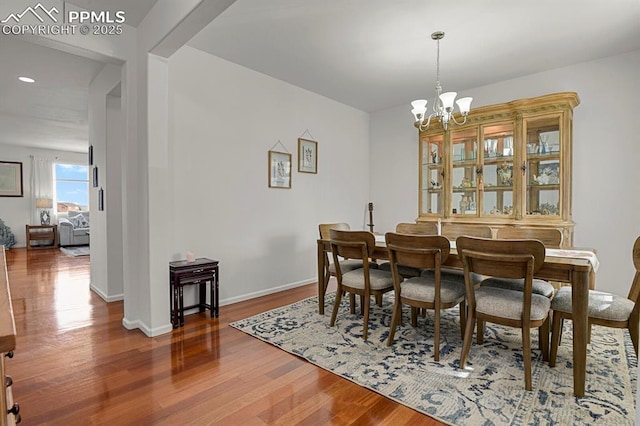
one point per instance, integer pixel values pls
(543, 157)
(488, 188)
(548, 187)
(498, 160)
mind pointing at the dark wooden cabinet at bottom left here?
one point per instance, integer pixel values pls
(7, 346)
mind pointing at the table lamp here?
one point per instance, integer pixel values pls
(44, 204)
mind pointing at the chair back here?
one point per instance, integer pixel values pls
(501, 258)
(455, 230)
(324, 229)
(420, 228)
(550, 237)
(417, 251)
(352, 245)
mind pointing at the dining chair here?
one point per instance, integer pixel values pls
(512, 259)
(364, 281)
(420, 228)
(605, 309)
(550, 237)
(346, 264)
(423, 292)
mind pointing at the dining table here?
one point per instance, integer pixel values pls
(574, 266)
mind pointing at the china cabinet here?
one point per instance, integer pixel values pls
(508, 165)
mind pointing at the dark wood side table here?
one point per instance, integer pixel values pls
(42, 233)
(200, 271)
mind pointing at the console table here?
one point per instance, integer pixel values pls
(199, 271)
(42, 233)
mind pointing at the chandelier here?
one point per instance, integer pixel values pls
(443, 108)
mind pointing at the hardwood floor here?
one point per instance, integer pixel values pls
(76, 364)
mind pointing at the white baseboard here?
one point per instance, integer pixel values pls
(248, 296)
(106, 298)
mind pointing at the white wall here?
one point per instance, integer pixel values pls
(16, 211)
(106, 136)
(605, 158)
(223, 120)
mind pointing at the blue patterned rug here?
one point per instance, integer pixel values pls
(490, 391)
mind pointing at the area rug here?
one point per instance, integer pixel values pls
(490, 391)
(75, 251)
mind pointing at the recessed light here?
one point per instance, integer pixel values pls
(26, 79)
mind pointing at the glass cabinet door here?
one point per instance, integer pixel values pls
(497, 171)
(543, 166)
(464, 157)
(432, 175)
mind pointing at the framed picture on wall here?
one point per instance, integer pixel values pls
(90, 155)
(95, 176)
(307, 156)
(10, 179)
(279, 169)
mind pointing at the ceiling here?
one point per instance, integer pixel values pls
(374, 54)
(52, 113)
(371, 54)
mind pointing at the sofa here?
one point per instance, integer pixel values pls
(74, 229)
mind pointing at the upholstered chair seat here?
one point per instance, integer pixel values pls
(505, 303)
(404, 271)
(541, 287)
(378, 280)
(349, 265)
(423, 290)
(602, 305)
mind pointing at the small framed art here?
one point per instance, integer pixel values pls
(307, 156)
(95, 176)
(101, 199)
(279, 169)
(90, 154)
(10, 179)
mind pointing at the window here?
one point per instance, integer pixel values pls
(72, 187)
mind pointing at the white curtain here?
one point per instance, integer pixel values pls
(41, 185)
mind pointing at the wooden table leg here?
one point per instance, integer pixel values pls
(321, 277)
(580, 298)
(216, 304)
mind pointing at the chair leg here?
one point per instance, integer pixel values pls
(543, 339)
(633, 331)
(367, 300)
(526, 354)
(556, 334)
(463, 318)
(379, 299)
(334, 314)
(362, 309)
(480, 336)
(352, 303)
(395, 319)
(414, 316)
(468, 337)
(436, 341)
